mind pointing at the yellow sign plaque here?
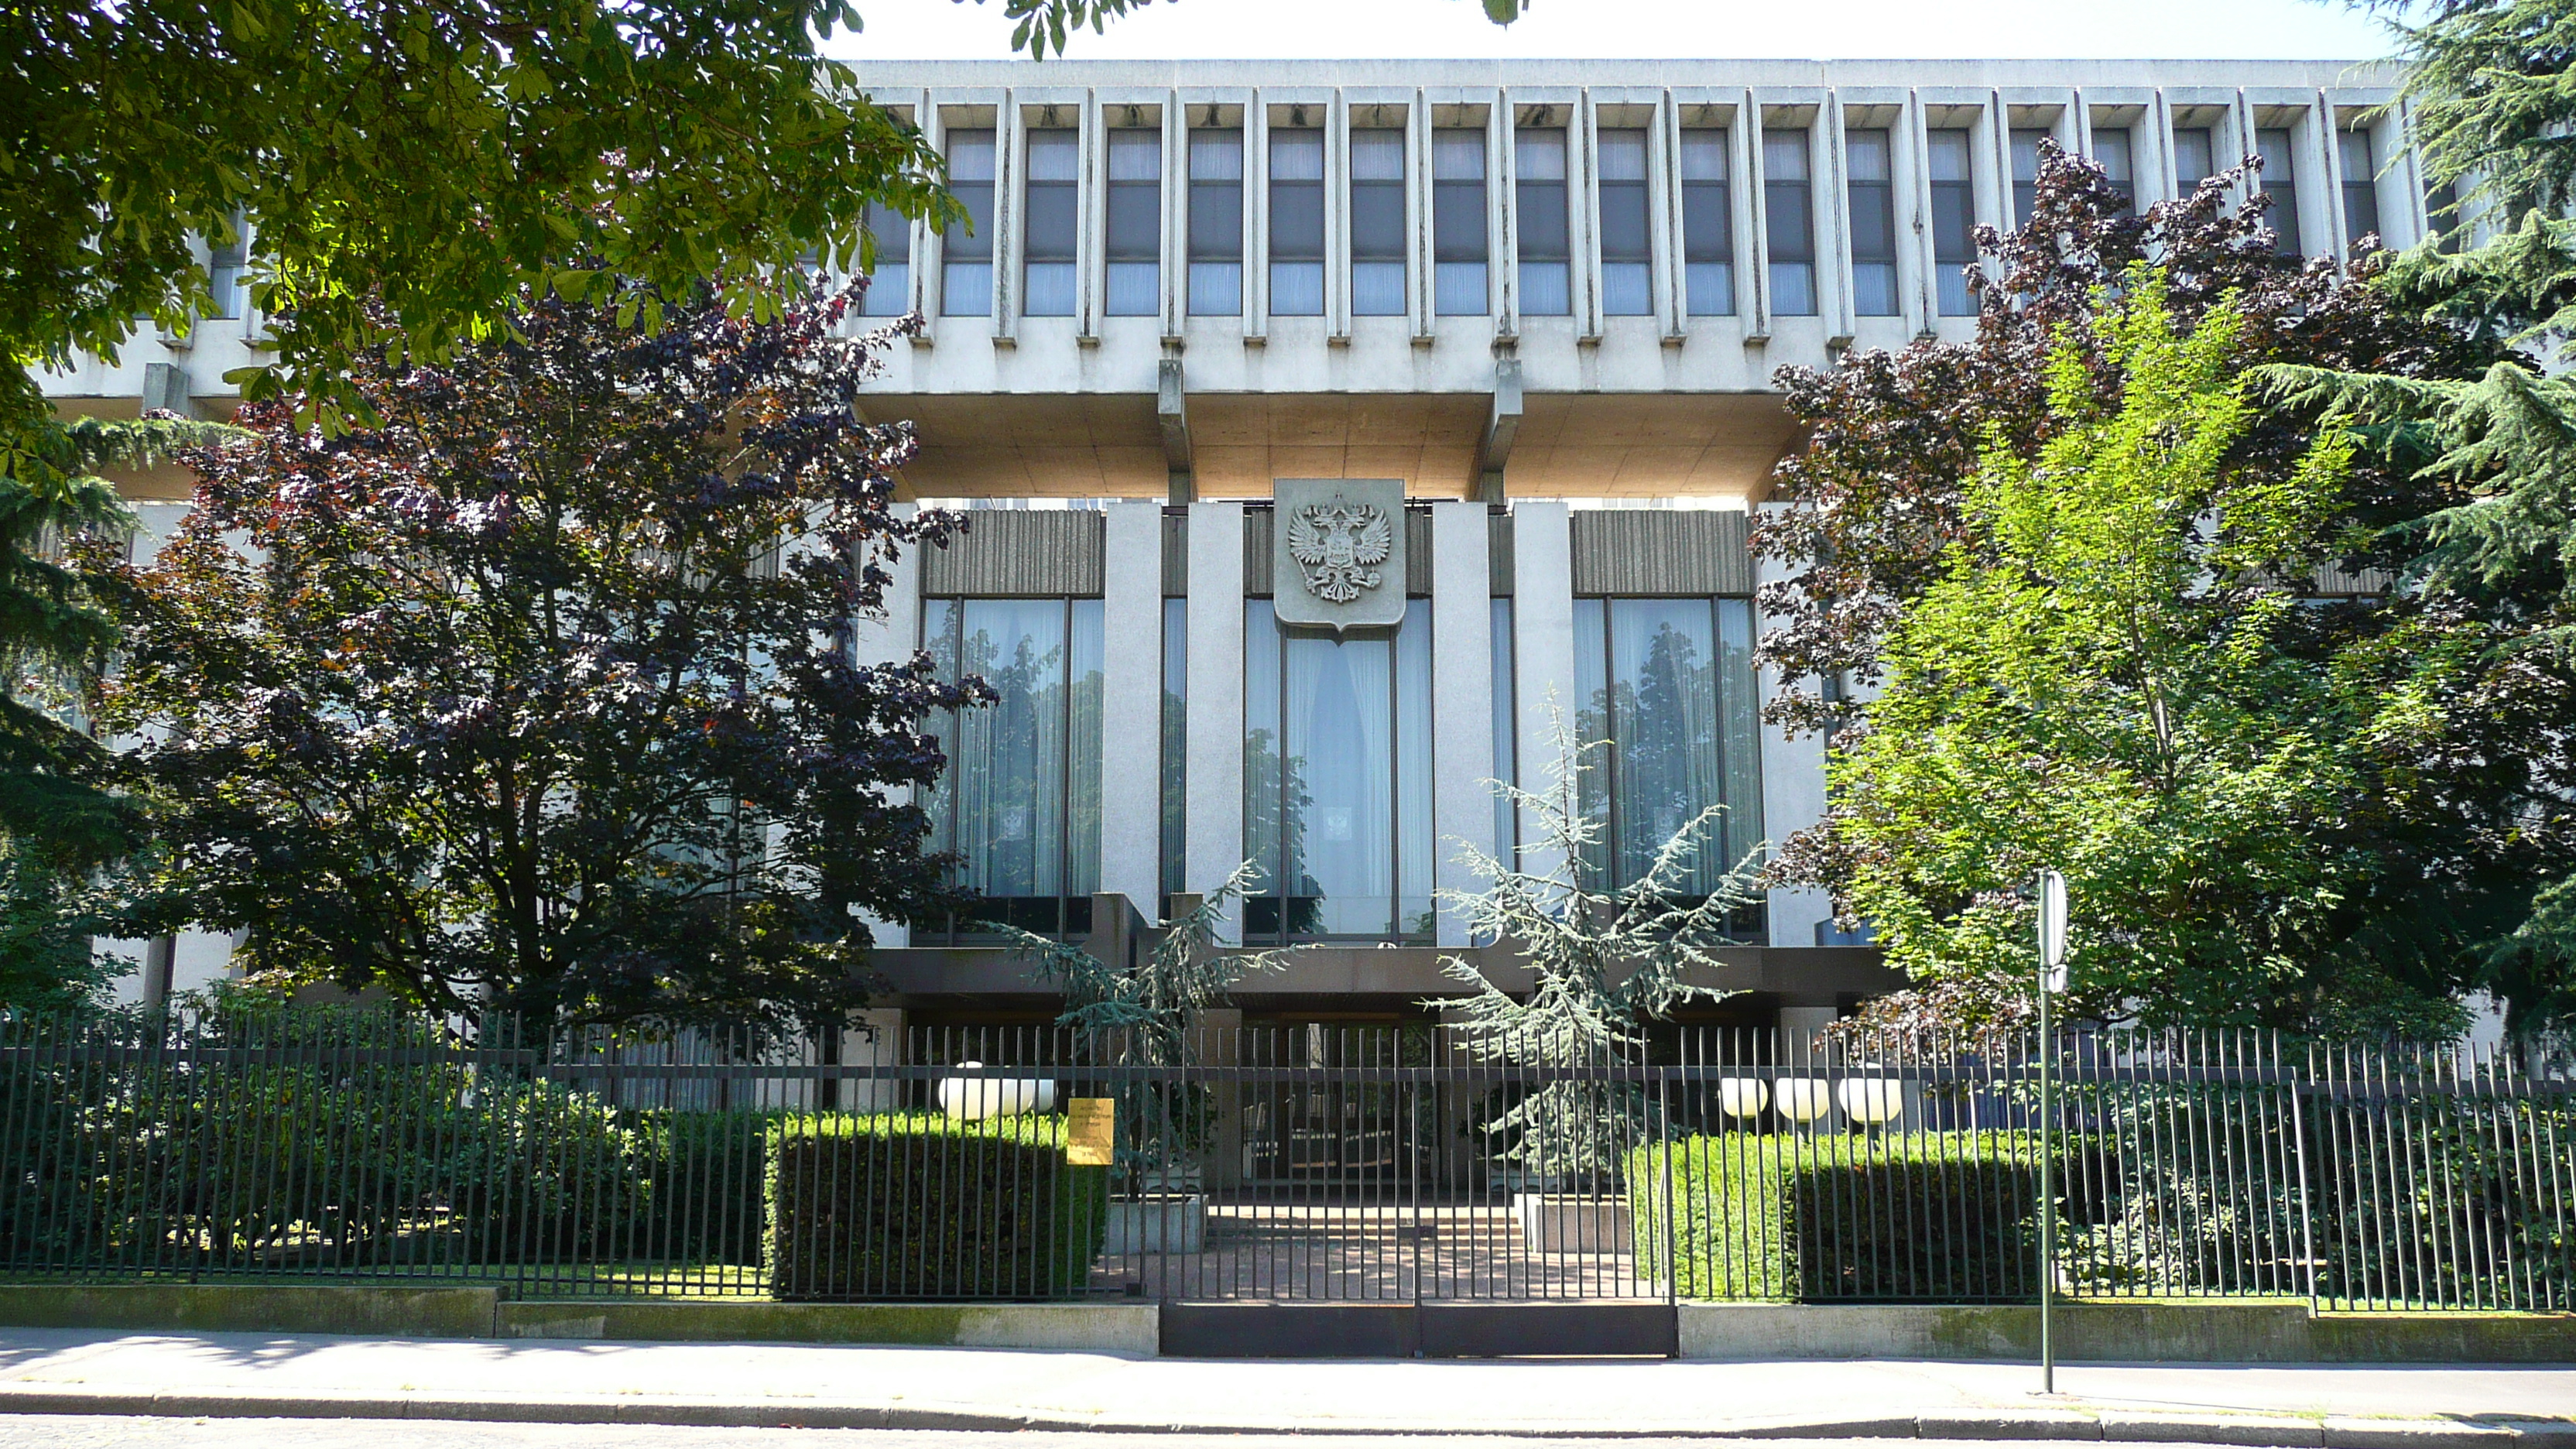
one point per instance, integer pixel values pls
(1091, 1131)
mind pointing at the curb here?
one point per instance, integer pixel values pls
(1991, 1425)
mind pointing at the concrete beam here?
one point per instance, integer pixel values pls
(1172, 416)
(1502, 426)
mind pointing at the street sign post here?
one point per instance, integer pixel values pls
(2052, 980)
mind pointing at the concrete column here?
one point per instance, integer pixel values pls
(1793, 792)
(890, 639)
(1220, 1044)
(1542, 656)
(1131, 703)
(1213, 825)
(1462, 708)
(1798, 1028)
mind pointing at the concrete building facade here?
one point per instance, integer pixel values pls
(1225, 337)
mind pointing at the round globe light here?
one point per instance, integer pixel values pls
(1874, 1100)
(1803, 1099)
(1743, 1096)
(973, 1099)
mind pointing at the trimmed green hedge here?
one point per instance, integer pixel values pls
(1762, 1216)
(919, 1206)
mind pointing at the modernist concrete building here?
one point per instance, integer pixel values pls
(1519, 322)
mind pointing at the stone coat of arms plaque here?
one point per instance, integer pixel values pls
(1337, 552)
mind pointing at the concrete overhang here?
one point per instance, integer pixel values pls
(1114, 445)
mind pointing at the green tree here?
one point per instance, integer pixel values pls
(537, 696)
(2491, 96)
(1605, 957)
(2113, 675)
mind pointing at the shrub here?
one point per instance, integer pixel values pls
(708, 1187)
(1939, 1215)
(918, 1206)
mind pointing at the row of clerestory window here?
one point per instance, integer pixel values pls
(1542, 254)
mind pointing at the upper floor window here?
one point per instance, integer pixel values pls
(2195, 159)
(226, 261)
(889, 291)
(1052, 222)
(1954, 220)
(1627, 249)
(2025, 171)
(1708, 226)
(2281, 183)
(1459, 250)
(1337, 780)
(1539, 205)
(1377, 222)
(966, 252)
(1297, 223)
(2360, 185)
(1790, 223)
(1669, 684)
(1216, 222)
(1020, 800)
(1135, 223)
(2111, 153)
(1873, 223)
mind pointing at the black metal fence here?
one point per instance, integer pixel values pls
(1314, 1162)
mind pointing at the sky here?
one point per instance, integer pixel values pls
(1631, 29)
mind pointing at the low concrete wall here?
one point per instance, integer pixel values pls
(2122, 1332)
(1098, 1328)
(253, 1308)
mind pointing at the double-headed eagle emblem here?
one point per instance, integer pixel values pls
(1340, 544)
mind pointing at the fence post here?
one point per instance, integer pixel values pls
(2307, 1204)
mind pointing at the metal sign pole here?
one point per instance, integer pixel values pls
(2052, 980)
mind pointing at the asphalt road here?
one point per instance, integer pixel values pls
(65, 1432)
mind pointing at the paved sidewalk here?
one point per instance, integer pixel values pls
(232, 1374)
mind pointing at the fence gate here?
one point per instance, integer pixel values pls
(1338, 1190)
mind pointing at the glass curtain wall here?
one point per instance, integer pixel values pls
(1135, 222)
(1052, 221)
(1539, 206)
(2025, 171)
(1297, 223)
(2119, 167)
(966, 252)
(1873, 222)
(1337, 780)
(1790, 223)
(1627, 248)
(226, 262)
(1020, 800)
(2281, 183)
(1708, 226)
(1458, 245)
(1216, 222)
(889, 291)
(2195, 159)
(1954, 220)
(2360, 185)
(1669, 684)
(1377, 222)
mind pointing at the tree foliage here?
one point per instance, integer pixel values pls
(2112, 677)
(537, 696)
(1602, 960)
(1875, 500)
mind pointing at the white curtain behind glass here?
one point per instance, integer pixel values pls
(1020, 802)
